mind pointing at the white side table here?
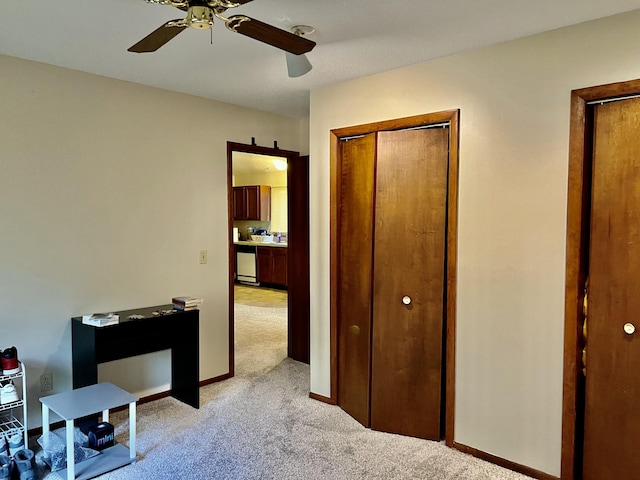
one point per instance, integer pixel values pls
(87, 401)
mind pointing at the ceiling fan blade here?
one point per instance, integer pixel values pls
(156, 39)
(274, 36)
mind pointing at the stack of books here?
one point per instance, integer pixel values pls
(186, 303)
(101, 319)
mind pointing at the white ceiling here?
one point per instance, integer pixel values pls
(354, 38)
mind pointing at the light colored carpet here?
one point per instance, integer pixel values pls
(262, 424)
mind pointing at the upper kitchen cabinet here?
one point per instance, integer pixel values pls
(252, 202)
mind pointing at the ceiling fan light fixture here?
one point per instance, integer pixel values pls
(298, 65)
(200, 17)
(280, 165)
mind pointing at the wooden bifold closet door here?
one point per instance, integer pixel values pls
(612, 419)
(357, 175)
(392, 256)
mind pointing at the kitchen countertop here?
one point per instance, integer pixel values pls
(260, 244)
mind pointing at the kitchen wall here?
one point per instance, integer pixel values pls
(514, 101)
(105, 205)
(273, 179)
(243, 226)
(279, 209)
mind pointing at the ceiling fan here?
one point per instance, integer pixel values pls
(200, 14)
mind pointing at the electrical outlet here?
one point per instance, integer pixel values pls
(203, 256)
(46, 382)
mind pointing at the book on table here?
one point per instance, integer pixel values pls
(101, 319)
(186, 303)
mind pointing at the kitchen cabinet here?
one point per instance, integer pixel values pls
(252, 202)
(272, 265)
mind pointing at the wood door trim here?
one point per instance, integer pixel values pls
(577, 241)
(240, 147)
(321, 398)
(452, 278)
(453, 118)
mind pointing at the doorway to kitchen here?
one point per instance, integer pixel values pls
(268, 257)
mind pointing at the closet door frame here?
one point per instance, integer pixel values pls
(452, 118)
(577, 252)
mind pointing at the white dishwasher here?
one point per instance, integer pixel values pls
(246, 271)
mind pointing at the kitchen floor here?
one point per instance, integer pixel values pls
(260, 296)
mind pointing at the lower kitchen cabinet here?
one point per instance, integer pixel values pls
(272, 265)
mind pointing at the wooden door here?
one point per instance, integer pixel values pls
(612, 416)
(409, 266)
(355, 244)
(298, 327)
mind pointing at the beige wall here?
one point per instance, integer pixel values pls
(304, 136)
(514, 104)
(108, 190)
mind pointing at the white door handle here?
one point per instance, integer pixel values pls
(629, 328)
(406, 300)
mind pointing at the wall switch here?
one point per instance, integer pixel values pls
(46, 382)
(203, 256)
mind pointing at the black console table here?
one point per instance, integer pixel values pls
(178, 331)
